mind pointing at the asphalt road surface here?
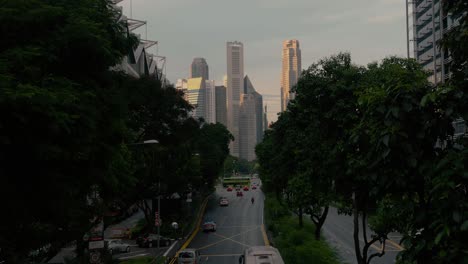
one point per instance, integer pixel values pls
(338, 230)
(239, 226)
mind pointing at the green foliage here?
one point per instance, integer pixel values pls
(296, 245)
(379, 142)
(67, 122)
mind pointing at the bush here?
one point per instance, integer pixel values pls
(296, 245)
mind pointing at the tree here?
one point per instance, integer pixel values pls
(213, 148)
(59, 127)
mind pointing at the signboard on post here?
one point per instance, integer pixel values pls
(157, 220)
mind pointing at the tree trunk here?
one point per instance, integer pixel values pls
(357, 247)
(320, 222)
(300, 215)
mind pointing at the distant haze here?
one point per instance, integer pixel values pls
(185, 29)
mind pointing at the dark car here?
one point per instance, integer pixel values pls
(151, 240)
(240, 193)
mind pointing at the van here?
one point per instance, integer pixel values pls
(261, 254)
(189, 256)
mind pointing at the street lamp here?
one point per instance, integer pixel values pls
(149, 142)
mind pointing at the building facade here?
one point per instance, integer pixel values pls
(210, 102)
(235, 75)
(196, 95)
(199, 68)
(258, 111)
(221, 109)
(429, 24)
(291, 70)
(248, 128)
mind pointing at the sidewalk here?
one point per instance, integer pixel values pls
(127, 223)
(69, 252)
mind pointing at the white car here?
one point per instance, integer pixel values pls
(116, 246)
(223, 201)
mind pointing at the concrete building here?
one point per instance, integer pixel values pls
(235, 75)
(221, 108)
(199, 68)
(429, 24)
(291, 70)
(265, 119)
(248, 128)
(181, 84)
(201, 95)
(258, 111)
(196, 95)
(210, 102)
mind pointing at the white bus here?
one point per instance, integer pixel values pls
(261, 254)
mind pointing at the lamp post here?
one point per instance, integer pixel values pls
(157, 218)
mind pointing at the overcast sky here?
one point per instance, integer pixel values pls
(369, 29)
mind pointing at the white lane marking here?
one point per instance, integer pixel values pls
(135, 256)
(167, 252)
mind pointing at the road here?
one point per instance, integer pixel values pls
(338, 230)
(239, 225)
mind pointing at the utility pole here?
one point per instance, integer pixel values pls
(407, 31)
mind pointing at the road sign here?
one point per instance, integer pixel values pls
(157, 220)
(96, 244)
(95, 257)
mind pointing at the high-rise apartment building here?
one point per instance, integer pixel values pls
(221, 110)
(291, 70)
(235, 75)
(199, 68)
(429, 24)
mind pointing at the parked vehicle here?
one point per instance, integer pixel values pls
(229, 189)
(151, 240)
(254, 187)
(209, 226)
(239, 193)
(189, 256)
(117, 246)
(246, 188)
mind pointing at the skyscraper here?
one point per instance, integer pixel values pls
(235, 75)
(221, 110)
(248, 128)
(258, 111)
(291, 70)
(196, 94)
(210, 102)
(201, 95)
(199, 68)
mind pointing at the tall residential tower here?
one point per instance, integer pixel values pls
(291, 70)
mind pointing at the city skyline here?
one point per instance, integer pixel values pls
(372, 29)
